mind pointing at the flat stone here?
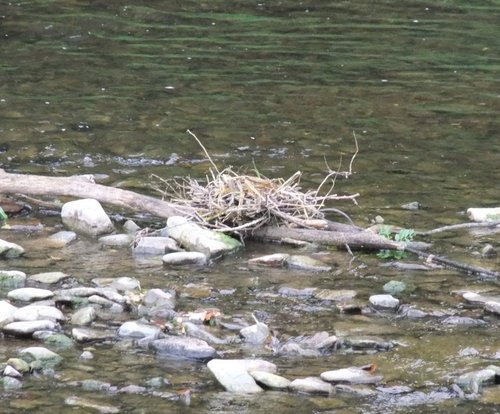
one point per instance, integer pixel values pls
(38, 312)
(493, 307)
(12, 278)
(387, 302)
(270, 260)
(270, 380)
(26, 328)
(351, 375)
(84, 316)
(43, 355)
(136, 329)
(48, 277)
(29, 294)
(300, 262)
(184, 258)
(87, 217)
(311, 385)
(120, 284)
(155, 246)
(357, 390)
(116, 240)
(91, 335)
(159, 298)
(61, 238)
(185, 347)
(75, 401)
(233, 374)
(335, 295)
(255, 334)
(293, 292)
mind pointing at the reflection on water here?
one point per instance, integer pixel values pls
(104, 87)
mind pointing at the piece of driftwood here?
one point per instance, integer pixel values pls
(83, 187)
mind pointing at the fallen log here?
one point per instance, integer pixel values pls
(84, 187)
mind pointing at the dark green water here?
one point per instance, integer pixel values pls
(108, 87)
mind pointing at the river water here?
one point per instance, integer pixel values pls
(110, 88)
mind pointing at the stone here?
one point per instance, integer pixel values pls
(87, 217)
(484, 214)
(413, 205)
(367, 342)
(335, 295)
(54, 339)
(19, 365)
(11, 372)
(116, 240)
(255, 334)
(270, 260)
(91, 335)
(488, 251)
(493, 307)
(75, 401)
(159, 298)
(384, 302)
(184, 347)
(312, 385)
(462, 321)
(43, 356)
(293, 292)
(137, 329)
(233, 374)
(10, 250)
(394, 287)
(193, 237)
(270, 380)
(120, 284)
(48, 277)
(131, 227)
(351, 375)
(197, 331)
(11, 383)
(38, 312)
(61, 238)
(357, 390)
(29, 294)
(27, 328)
(155, 246)
(472, 381)
(7, 312)
(12, 278)
(184, 258)
(84, 316)
(112, 295)
(301, 262)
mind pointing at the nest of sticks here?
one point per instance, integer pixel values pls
(233, 202)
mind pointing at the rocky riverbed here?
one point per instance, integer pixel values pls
(113, 322)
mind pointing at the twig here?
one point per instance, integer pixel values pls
(204, 150)
(454, 227)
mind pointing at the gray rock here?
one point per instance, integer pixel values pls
(292, 292)
(61, 238)
(367, 342)
(233, 374)
(394, 287)
(7, 312)
(462, 321)
(19, 365)
(71, 293)
(10, 250)
(184, 347)
(116, 240)
(38, 312)
(10, 371)
(300, 262)
(84, 316)
(120, 284)
(159, 298)
(91, 335)
(11, 383)
(472, 381)
(29, 294)
(12, 278)
(335, 295)
(112, 295)
(255, 334)
(312, 385)
(357, 390)
(86, 356)
(155, 246)
(131, 227)
(493, 307)
(270, 380)
(87, 217)
(414, 205)
(195, 238)
(48, 277)
(270, 260)
(197, 331)
(43, 356)
(27, 328)
(106, 303)
(488, 251)
(75, 401)
(184, 258)
(386, 302)
(410, 312)
(137, 329)
(351, 375)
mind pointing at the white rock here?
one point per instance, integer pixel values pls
(11, 372)
(28, 327)
(116, 240)
(88, 334)
(255, 334)
(351, 375)
(233, 374)
(484, 214)
(155, 246)
(270, 380)
(12, 278)
(312, 385)
(87, 217)
(61, 238)
(38, 312)
(493, 307)
(136, 329)
(29, 294)
(388, 302)
(84, 316)
(184, 258)
(10, 250)
(7, 312)
(49, 277)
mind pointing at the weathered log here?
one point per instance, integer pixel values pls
(81, 187)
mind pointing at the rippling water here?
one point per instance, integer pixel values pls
(108, 87)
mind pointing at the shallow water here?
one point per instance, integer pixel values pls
(104, 87)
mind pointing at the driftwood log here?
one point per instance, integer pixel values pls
(334, 234)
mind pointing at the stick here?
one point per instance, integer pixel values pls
(459, 226)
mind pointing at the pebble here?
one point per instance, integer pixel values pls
(86, 355)
(233, 374)
(29, 294)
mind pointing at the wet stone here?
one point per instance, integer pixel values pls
(87, 217)
(367, 342)
(29, 294)
(292, 292)
(155, 246)
(462, 321)
(411, 313)
(136, 329)
(7, 312)
(335, 295)
(159, 298)
(27, 328)
(48, 277)
(43, 356)
(357, 390)
(84, 316)
(75, 401)
(61, 238)
(394, 287)
(185, 347)
(12, 278)
(351, 375)
(312, 385)
(116, 240)
(10, 250)
(385, 302)
(270, 380)
(255, 334)
(11, 383)
(270, 260)
(91, 335)
(300, 262)
(120, 284)
(184, 258)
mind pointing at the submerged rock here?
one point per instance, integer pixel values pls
(12, 278)
(312, 385)
(184, 258)
(270, 380)
(473, 381)
(75, 401)
(155, 246)
(10, 250)
(87, 217)
(335, 295)
(301, 262)
(233, 374)
(61, 238)
(255, 334)
(357, 390)
(184, 347)
(40, 357)
(116, 240)
(270, 260)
